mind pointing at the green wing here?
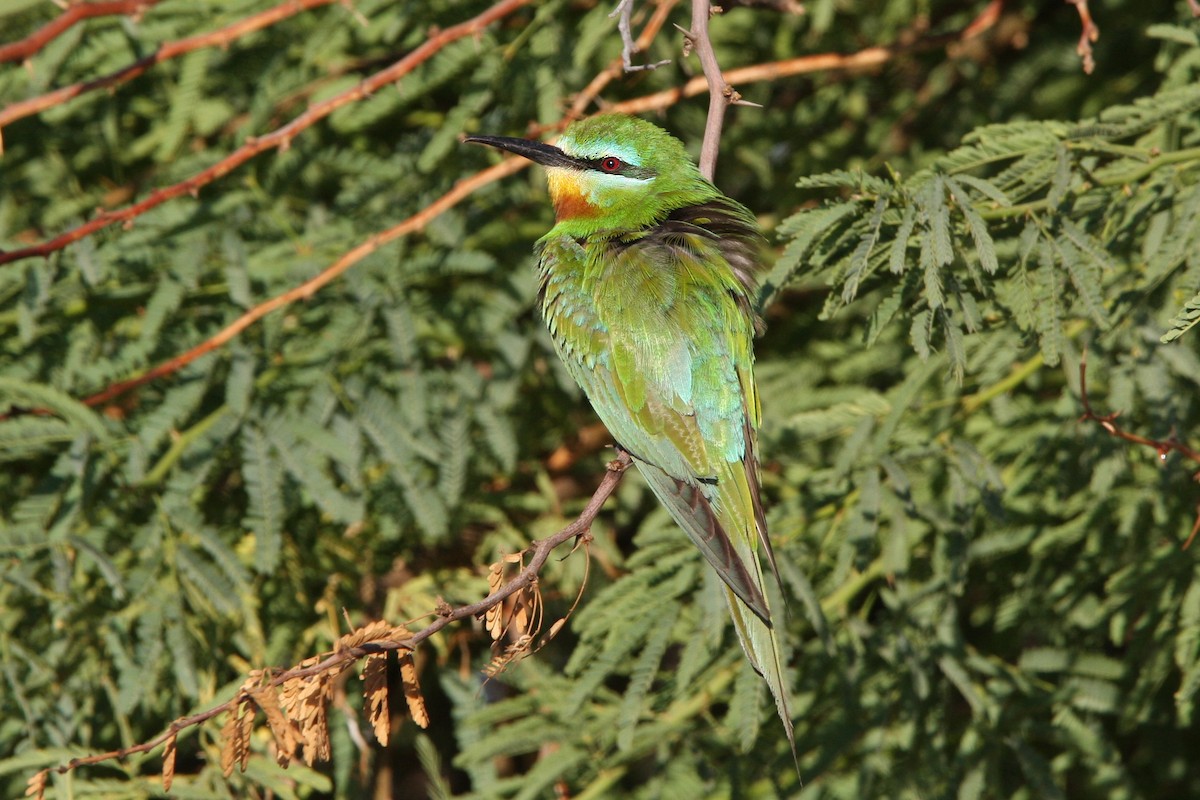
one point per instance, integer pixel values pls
(657, 333)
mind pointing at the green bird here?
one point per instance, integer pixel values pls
(647, 284)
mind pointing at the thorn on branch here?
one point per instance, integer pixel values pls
(719, 96)
(1089, 34)
(1163, 447)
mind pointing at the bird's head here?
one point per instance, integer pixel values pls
(613, 172)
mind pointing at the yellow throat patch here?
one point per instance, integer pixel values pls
(566, 192)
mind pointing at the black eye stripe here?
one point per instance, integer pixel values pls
(624, 168)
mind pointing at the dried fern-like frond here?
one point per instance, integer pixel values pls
(35, 787)
(375, 695)
(282, 730)
(235, 738)
(168, 766)
(372, 631)
(306, 701)
(412, 691)
(514, 652)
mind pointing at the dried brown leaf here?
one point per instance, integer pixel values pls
(378, 629)
(495, 576)
(554, 630)
(412, 691)
(233, 745)
(266, 698)
(522, 611)
(514, 651)
(493, 618)
(317, 746)
(375, 692)
(247, 726)
(168, 767)
(35, 787)
(306, 700)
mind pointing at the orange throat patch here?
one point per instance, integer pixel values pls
(565, 192)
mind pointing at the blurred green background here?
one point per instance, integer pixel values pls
(988, 598)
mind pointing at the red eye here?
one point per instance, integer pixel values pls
(610, 164)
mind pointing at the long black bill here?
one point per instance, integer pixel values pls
(545, 154)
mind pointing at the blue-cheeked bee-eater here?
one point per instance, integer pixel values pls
(647, 284)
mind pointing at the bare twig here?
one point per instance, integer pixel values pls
(759, 72)
(866, 58)
(74, 13)
(1161, 446)
(871, 56)
(1089, 34)
(279, 138)
(336, 662)
(782, 6)
(307, 289)
(624, 12)
(593, 89)
(164, 52)
(720, 95)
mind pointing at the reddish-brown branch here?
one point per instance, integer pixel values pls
(309, 288)
(870, 57)
(306, 290)
(539, 553)
(465, 187)
(1161, 446)
(164, 52)
(821, 62)
(1089, 33)
(279, 138)
(74, 13)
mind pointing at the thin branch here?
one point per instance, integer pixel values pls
(540, 552)
(870, 57)
(164, 52)
(1089, 34)
(412, 224)
(279, 138)
(623, 13)
(720, 95)
(597, 84)
(73, 14)
(1161, 446)
(310, 287)
(468, 185)
(866, 58)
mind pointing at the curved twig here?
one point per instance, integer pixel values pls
(539, 551)
(164, 52)
(759, 72)
(278, 138)
(71, 15)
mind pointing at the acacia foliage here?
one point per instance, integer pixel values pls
(987, 598)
